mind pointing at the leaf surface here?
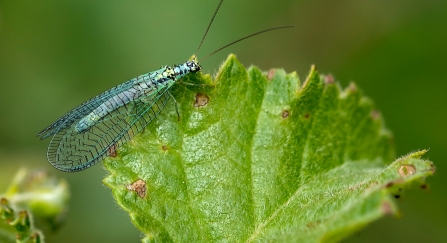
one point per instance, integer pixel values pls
(261, 157)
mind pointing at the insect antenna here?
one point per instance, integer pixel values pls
(236, 41)
(209, 26)
(245, 37)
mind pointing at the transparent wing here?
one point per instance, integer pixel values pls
(72, 151)
(87, 107)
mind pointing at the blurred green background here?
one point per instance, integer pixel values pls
(56, 54)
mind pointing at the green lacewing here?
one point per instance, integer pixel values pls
(96, 128)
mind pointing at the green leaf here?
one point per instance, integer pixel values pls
(261, 157)
(33, 198)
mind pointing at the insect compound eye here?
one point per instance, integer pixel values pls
(194, 67)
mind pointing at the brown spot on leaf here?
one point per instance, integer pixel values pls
(313, 224)
(112, 151)
(307, 115)
(285, 114)
(201, 100)
(353, 188)
(270, 74)
(164, 147)
(407, 170)
(352, 87)
(389, 184)
(375, 115)
(387, 208)
(139, 186)
(329, 79)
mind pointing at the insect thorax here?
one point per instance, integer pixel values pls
(181, 70)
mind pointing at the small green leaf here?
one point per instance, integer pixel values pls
(261, 157)
(33, 198)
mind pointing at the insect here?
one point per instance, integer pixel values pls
(95, 129)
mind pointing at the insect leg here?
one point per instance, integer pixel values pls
(176, 105)
(196, 85)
